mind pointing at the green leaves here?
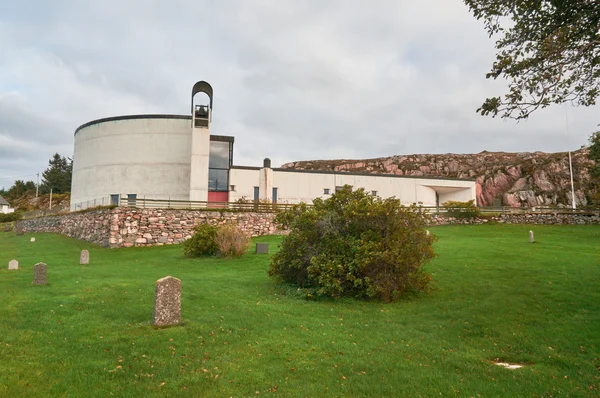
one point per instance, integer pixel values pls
(548, 50)
(354, 244)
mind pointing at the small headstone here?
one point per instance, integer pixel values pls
(531, 238)
(427, 232)
(167, 302)
(84, 257)
(19, 228)
(262, 248)
(32, 239)
(7, 228)
(13, 264)
(40, 271)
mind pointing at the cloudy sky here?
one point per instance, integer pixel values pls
(293, 80)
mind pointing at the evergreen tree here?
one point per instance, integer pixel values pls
(18, 189)
(58, 175)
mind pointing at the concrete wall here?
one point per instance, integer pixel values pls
(199, 152)
(144, 156)
(244, 180)
(297, 186)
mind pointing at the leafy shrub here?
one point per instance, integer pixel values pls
(10, 217)
(232, 241)
(202, 242)
(461, 209)
(354, 244)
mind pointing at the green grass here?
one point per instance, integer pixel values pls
(89, 333)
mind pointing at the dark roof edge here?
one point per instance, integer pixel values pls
(225, 138)
(371, 174)
(245, 167)
(129, 117)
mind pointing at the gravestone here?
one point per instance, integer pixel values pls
(167, 302)
(19, 228)
(13, 264)
(427, 232)
(262, 248)
(32, 240)
(7, 228)
(40, 271)
(84, 257)
(531, 238)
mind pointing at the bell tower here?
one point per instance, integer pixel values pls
(200, 151)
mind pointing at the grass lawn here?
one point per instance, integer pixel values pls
(89, 333)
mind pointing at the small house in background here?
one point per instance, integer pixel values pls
(5, 206)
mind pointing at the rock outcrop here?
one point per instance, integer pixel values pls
(524, 179)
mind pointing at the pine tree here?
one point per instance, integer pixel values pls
(57, 176)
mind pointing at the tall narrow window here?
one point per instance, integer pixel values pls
(274, 200)
(219, 162)
(114, 199)
(256, 194)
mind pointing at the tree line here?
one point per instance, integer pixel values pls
(57, 177)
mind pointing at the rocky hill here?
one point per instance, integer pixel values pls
(523, 179)
(29, 202)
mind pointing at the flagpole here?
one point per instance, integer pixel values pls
(570, 162)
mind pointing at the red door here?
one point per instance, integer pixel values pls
(218, 198)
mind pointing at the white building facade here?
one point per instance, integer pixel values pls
(175, 157)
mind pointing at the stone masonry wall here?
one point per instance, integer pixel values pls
(126, 227)
(92, 226)
(526, 218)
(147, 227)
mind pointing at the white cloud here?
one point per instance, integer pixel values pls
(293, 80)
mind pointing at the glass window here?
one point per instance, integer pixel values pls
(219, 155)
(131, 199)
(218, 180)
(326, 191)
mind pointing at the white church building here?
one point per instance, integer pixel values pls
(176, 157)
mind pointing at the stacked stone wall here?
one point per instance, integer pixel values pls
(91, 226)
(126, 227)
(526, 218)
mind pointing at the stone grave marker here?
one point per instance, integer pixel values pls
(19, 228)
(262, 248)
(167, 302)
(531, 238)
(13, 264)
(7, 228)
(40, 271)
(84, 257)
(32, 240)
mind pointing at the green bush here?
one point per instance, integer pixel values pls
(461, 209)
(231, 241)
(10, 217)
(202, 242)
(354, 244)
